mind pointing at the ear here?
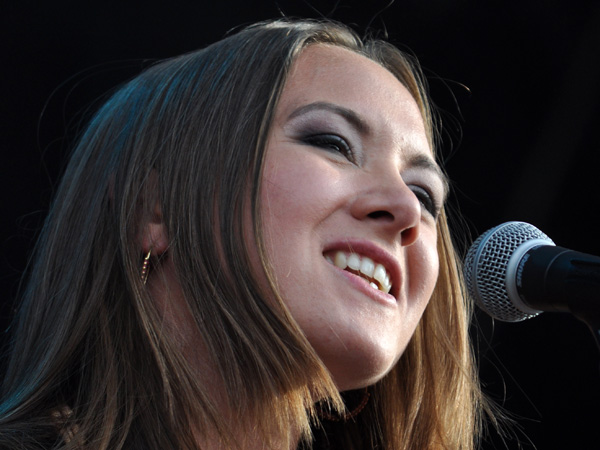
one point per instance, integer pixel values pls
(153, 232)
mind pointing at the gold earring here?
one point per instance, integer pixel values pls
(145, 267)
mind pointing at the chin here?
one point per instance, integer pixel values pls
(358, 381)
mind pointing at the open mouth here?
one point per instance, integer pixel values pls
(374, 273)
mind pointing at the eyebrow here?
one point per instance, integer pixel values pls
(353, 118)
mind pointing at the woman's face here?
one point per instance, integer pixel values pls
(349, 201)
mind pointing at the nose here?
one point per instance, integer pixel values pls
(390, 206)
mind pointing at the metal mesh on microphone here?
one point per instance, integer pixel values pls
(486, 264)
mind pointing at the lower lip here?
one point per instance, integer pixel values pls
(363, 285)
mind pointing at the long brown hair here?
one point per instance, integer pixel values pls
(190, 133)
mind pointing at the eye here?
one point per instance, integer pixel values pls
(331, 142)
(427, 200)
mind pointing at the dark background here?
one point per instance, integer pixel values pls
(520, 79)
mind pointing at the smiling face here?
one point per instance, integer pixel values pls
(350, 196)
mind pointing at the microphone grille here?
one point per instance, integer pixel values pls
(486, 265)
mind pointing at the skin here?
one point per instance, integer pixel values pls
(347, 167)
(318, 198)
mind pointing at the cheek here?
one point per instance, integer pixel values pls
(424, 269)
(299, 193)
(298, 190)
(432, 260)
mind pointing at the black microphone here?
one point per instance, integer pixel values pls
(514, 272)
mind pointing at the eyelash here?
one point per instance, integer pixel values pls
(427, 199)
(331, 142)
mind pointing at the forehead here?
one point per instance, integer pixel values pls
(326, 73)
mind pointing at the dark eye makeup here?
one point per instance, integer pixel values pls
(331, 142)
(427, 200)
(337, 144)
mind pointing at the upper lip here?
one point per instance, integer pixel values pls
(376, 253)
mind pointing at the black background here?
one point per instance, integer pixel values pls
(520, 79)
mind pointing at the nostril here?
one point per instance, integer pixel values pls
(381, 215)
(409, 236)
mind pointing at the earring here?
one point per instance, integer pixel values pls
(349, 415)
(146, 267)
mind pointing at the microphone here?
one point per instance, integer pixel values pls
(514, 272)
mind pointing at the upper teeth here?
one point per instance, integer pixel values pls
(375, 274)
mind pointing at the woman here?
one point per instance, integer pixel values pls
(249, 250)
